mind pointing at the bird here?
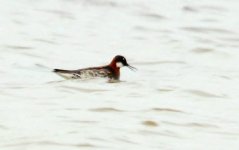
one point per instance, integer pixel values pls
(110, 71)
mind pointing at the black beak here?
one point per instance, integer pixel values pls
(131, 67)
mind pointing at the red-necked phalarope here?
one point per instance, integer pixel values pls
(111, 71)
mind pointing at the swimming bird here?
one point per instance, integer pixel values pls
(111, 71)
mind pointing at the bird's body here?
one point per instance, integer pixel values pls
(111, 71)
(86, 73)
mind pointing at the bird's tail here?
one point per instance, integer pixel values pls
(61, 71)
(67, 74)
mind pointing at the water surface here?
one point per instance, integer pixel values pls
(183, 96)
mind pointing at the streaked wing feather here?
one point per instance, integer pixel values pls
(85, 73)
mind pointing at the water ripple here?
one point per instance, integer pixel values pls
(42, 143)
(45, 41)
(202, 50)
(153, 16)
(86, 90)
(204, 94)
(106, 3)
(150, 123)
(18, 47)
(106, 109)
(160, 62)
(166, 110)
(60, 13)
(191, 124)
(207, 30)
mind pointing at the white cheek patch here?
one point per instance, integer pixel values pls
(119, 64)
